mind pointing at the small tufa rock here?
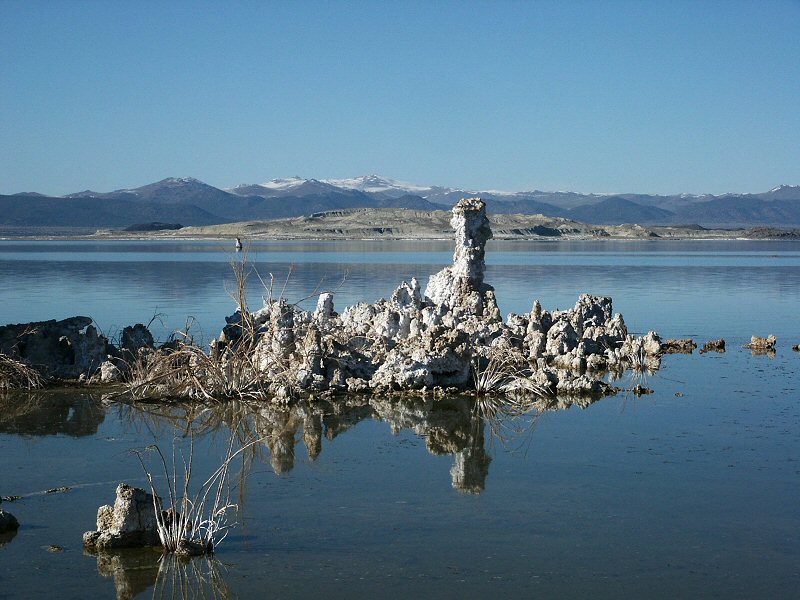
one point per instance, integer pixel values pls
(108, 373)
(324, 307)
(135, 338)
(759, 344)
(713, 346)
(131, 522)
(640, 390)
(192, 548)
(684, 346)
(8, 522)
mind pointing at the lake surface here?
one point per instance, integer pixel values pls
(689, 492)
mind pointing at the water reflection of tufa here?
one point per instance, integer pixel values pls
(471, 466)
(136, 570)
(461, 426)
(7, 536)
(72, 413)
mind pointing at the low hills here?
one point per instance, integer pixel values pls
(401, 224)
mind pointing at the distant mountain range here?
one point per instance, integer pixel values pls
(191, 202)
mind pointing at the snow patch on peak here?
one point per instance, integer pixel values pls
(377, 183)
(283, 184)
(181, 180)
(780, 188)
(498, 192)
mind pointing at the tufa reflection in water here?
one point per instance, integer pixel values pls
(136, 570)
(7, 536)
(50, 412)
(455, 425)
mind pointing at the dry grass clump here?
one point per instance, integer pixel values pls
(243, 364)
(183, 369)
(641, 366)
(504, 371)
(192, 523)
(16, 375)
(187, 371)
(496, 368)
(508, 396)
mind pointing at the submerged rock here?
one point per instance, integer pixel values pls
(640, 390)
(131, 522)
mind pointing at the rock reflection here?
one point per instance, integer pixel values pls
(312, 432)
(136, 570)
(50, 413)
(7, 536)
(133, 571)
(471, 466)
(459, 426)
(279, 429)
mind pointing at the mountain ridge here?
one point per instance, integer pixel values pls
(189, 201)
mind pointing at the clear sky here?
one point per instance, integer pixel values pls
(644, 96)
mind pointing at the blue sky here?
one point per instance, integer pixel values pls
(650, 97)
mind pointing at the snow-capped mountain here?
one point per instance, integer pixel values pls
(292, 186)
(382, 187)
(283, 184)
(783, 192)
(375, 184)
(189, 201)
(377, 190)
(159, 187)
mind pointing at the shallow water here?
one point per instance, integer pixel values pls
(687, 495)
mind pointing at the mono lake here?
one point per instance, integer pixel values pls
(688, 492)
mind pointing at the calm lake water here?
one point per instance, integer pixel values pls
(689, 492)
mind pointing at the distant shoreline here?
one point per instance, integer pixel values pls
(404, 225)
